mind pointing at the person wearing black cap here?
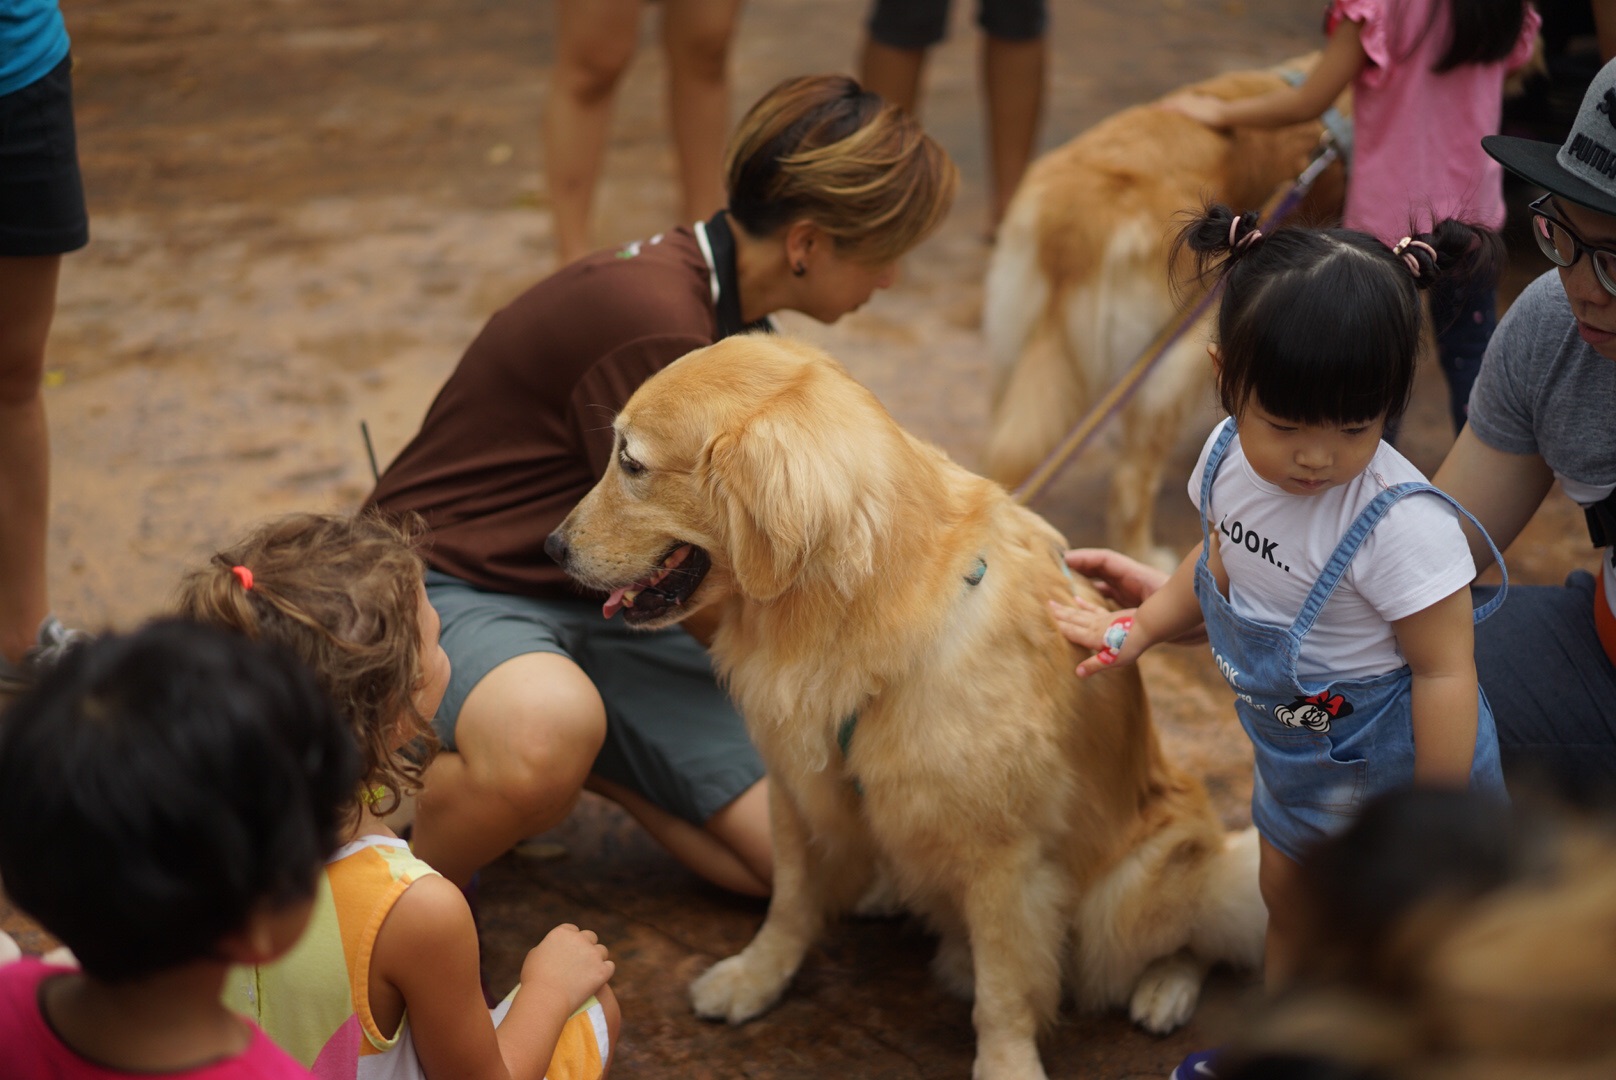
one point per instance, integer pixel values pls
(1542, 410)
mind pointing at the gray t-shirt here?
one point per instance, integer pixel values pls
(1543, 390)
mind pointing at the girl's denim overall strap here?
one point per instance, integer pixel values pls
(1360, 529)
(1213, 460)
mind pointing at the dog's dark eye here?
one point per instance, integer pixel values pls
(630, 466)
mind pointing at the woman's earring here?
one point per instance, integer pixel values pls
(799, 270)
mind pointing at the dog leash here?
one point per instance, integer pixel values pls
(1280, 205)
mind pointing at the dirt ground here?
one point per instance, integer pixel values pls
(302, 212)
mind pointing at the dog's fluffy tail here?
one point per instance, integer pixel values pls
(1232, 921)
(1033, 402)
(1015, 291)
(1033, 409)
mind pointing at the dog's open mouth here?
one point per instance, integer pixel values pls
(651, 597)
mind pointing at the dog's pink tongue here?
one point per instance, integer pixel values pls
(614, 602)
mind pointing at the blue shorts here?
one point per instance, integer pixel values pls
(41, 193)
(919, 24)
(672, 733)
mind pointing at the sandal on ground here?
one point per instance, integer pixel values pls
(51, 643)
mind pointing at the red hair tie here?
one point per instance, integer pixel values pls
(244, 576)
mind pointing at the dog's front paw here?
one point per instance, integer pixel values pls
(732, 990)
(1015, 1059)
(1165, 996)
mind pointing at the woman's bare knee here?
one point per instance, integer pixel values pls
(529, 733)
(596, 45)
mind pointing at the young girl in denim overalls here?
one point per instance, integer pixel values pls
(1332, 580)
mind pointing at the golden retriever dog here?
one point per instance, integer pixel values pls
(1078, 285)
(881, 623)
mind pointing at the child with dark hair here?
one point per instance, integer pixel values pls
(1337, 605)
(386, 981)
(166, 801)
(1450, 936)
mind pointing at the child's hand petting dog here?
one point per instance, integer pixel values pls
(1108, 633)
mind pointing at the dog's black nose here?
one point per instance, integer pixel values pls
(555, 546)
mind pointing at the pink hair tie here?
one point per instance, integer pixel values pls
(1245, 241)
(244, 576)
(1408, 257)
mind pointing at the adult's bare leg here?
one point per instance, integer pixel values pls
(1013, 83)
(732, 849)
(893, 73)
(695, 36)
(525, 740)
(27, 306)
(595, 40)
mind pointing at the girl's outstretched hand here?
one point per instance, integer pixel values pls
(571, 963)
(1090, 626)
(1202, 108)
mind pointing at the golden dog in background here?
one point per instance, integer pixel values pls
(882, 625)
(1078, 285)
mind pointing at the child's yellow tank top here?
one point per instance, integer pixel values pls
(315, 1001)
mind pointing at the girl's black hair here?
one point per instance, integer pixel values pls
(1484, 32)
(159, 787)
(1322, 326)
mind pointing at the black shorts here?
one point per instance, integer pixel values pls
(41, 192)
(919, 24)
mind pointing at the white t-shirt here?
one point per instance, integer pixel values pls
(1275, 545)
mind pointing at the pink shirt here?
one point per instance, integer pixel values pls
(31, 1050)
(1416, 134)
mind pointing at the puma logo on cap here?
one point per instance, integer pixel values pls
(1594, 154)
(1608, 106)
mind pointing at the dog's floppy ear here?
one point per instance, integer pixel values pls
(789, 494)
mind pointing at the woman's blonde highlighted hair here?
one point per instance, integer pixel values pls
(822, 148)
(341, 593)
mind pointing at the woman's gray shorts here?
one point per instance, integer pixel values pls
(672, 733)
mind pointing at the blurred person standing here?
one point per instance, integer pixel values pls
(42, 217)
(901, 32)
(595, 41)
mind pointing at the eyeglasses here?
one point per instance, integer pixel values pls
(1564, 247)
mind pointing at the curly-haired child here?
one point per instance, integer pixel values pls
(387, 979)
